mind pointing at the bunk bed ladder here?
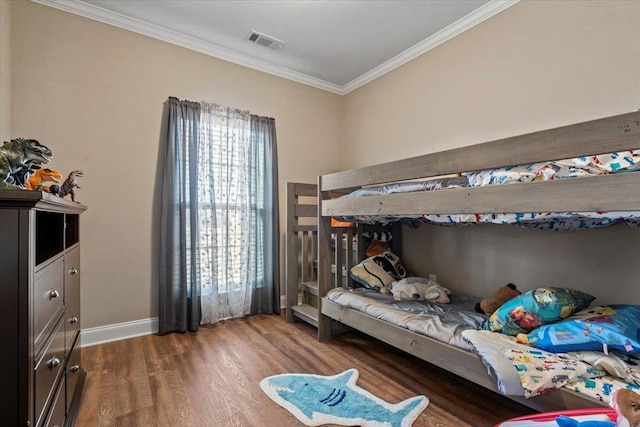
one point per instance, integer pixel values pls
(301, 253)
(301, 281)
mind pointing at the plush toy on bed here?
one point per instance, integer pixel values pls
(419, 289)
(490, 304)
(627, 405)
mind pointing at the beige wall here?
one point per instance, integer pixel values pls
(94, 94)
(5, 71)
(534, 66)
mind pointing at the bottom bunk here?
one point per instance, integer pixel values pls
(448, 350)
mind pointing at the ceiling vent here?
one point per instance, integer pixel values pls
(264, 40)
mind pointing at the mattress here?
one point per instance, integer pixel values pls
(443, 322)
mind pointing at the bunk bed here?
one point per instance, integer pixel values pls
(606, 192)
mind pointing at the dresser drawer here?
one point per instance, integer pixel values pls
(74, 371)
(72, 320)
(58, 409)
(48, 369)
(72, 271)
(48, 299)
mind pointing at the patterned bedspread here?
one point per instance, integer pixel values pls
(520, 370)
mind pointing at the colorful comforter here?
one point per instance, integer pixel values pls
(520, 370)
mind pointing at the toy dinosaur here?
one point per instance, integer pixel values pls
(18, 160)
(69, 184)
(40, 176)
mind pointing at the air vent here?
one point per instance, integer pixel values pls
(264, 40)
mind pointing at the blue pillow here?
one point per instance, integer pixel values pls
(535, 308)
(616, 327)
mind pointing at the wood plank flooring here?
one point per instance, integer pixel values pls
(211, 378)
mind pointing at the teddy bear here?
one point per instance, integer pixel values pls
(419, 289)
(490, 304)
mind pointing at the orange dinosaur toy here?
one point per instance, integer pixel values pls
(40, 176)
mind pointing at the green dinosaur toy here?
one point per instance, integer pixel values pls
(19, 158)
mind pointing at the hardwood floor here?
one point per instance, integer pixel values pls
(211, 378)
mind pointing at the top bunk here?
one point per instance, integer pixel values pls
(616, 193)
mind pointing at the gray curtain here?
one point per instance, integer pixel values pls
(219, 234)
(265, 297)
(179, 284)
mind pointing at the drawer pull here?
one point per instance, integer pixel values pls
(73, 319)
(73, 271)
(53, 363)
(53, 294)
(74, 368)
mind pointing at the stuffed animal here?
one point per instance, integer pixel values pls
(490, 304)
(419, 289)
(627, 406)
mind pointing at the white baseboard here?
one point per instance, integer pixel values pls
(118, 331)
(122, 331)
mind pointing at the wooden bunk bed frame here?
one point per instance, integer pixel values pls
(616, 192)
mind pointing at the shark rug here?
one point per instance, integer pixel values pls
(316, 400)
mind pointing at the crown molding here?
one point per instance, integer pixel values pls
(474, 18)
(96, 13)
(137, 26)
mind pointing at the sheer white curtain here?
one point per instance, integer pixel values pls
(226, 253)
(218, 223)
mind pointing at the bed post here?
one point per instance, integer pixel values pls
(291, 260)
(396, 240)
(324, 265)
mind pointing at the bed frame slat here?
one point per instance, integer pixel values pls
(618, 192)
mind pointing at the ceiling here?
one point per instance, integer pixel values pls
(333, 45)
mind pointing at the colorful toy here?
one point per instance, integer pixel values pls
(625, 413)
(564, 421)
(70, 183)
(40, 176)
(419, 289)
(18, 160)
(627, 405)
(602, 417)
(490, 304)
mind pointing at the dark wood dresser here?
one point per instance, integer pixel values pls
(42, 375)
